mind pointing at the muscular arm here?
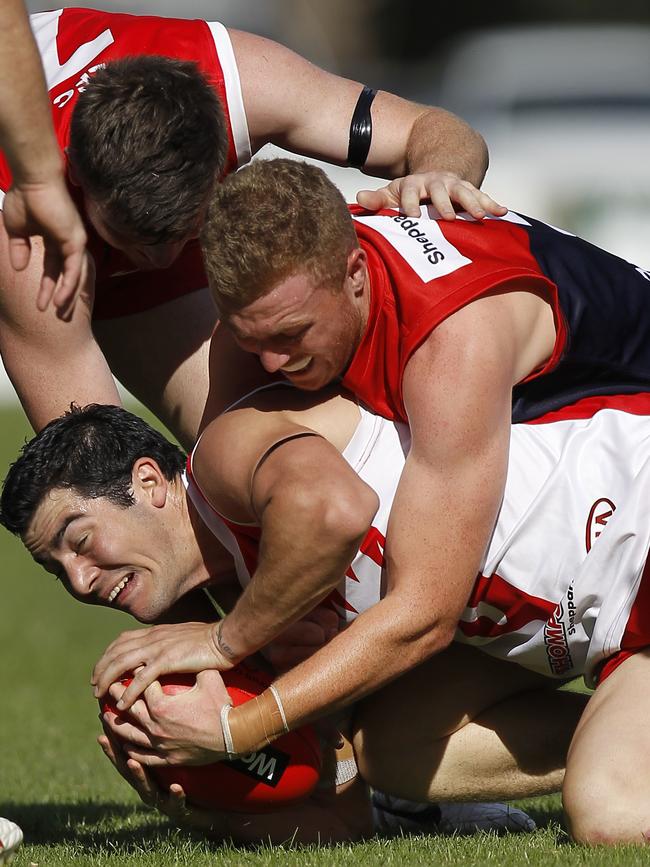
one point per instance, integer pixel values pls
(304, 109)
(457, 389)
(38, 202)
(51, 362)
(313, 511)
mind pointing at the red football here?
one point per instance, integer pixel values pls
(275, 776)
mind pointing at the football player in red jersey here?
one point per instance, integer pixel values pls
(38, 201)
(154, 328)
(439, 324)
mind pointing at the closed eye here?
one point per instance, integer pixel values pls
(294, 337)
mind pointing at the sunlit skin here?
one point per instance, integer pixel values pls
(305, 331)
(92, 545)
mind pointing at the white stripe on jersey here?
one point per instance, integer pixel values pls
(45, 27)
(234, 98)
(565, 560)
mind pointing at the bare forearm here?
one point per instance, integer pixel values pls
(46, 385)
(287, 585)
(26, 132)
(314, 512)
(441, 141)
(379, 646)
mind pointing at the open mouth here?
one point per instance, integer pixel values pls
(297, 366)
(119, 587)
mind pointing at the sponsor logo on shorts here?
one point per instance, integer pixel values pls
(266, 766)
(599, 514)
(420, 242)
(555, 638)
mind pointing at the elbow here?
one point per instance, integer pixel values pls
(419, 641)
(349, 517)
(482, 159)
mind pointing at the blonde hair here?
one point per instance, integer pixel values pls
(269, 221)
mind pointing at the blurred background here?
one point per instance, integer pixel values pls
(559, 88)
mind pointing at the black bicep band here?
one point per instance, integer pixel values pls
(361, 129)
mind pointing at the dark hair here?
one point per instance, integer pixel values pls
(90, 449)
(147, 142)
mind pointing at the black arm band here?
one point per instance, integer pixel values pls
(361, 129)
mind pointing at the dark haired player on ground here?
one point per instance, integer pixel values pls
(102, 497)
(574, 608)
(145, 147)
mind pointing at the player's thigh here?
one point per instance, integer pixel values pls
(468, 725)
(161, 357)
(443, 694)
(607, 785)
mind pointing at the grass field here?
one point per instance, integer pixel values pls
(72, 806)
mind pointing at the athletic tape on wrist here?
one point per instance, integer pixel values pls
(346, 770)
(361, 129)
(257, 722)
(225, 731)
(278, 700)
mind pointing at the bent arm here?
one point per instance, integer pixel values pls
(458, 393)
(313, 511)
(51, 362)
(294, 104)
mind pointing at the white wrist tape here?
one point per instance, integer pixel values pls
(283, 716)
(346, 770)
(225, 731)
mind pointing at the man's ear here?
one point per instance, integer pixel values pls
(357, 269)
(148, 481)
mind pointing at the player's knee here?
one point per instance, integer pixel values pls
(362, 753)
(601, 810)
(373, 749)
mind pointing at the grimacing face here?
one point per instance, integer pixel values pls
(107, 554)
(307, 332)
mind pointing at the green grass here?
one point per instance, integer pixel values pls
(73, 807)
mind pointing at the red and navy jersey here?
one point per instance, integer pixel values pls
(73, 44)
(423, 270)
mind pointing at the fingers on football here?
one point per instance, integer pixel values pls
(149, 791)
(127, 731)
(151, 758)
(106, 670)
(143, 679)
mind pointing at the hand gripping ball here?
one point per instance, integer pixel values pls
(275, 776)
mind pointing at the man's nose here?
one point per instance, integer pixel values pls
(81, 575)
(273, 361)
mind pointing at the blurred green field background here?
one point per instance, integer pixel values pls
(72, 806)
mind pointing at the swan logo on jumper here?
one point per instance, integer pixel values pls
(557, 645)
(420, 242)
(599, 514)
